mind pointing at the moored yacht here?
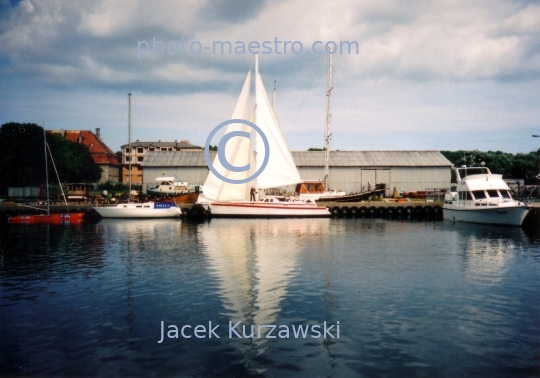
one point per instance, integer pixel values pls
(483, 197)
(168, 186)
(231, 191)
(140, 210)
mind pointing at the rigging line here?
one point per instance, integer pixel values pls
(58, 177)
(310, 86)
(355, 106)
(32, 207)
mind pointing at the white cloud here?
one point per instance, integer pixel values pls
(426, 47)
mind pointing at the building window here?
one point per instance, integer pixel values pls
(127, 150)
(140, 158)
(151, 148)
(140, 150)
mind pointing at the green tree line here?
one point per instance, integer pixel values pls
(511, 166)
(22, 158)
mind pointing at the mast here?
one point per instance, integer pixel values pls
(274, 98)
(46, 169)
(129, 144)
(253, 131)
(328, 119)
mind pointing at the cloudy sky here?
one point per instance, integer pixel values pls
(431, 74)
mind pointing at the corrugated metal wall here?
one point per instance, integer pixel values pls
(420, 178)
(351, 172)
(355, 179)
(348, 179)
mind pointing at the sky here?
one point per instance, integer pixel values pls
(426, 75)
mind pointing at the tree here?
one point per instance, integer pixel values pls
(22, 157)
(316, 149)
(519, 166)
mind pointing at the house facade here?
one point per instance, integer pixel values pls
(101, 153)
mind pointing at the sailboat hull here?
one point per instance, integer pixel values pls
(266, 210)
(74, 218)
(140, 210)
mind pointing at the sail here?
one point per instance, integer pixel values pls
(281, 169)
(237, 153)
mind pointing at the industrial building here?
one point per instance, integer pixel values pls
(350, 171)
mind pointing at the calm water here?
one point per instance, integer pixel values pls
(415, 299)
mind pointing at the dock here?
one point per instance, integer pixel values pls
(384, 209)
(367, 209)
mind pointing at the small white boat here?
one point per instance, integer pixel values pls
(483, 197)
(140, 210)
(168, 186)
(134, 209)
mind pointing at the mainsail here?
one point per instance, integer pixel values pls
(237, 152)
(280, 170)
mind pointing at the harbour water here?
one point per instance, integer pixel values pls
(415, 299)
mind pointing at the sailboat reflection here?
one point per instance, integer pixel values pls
(255, 263)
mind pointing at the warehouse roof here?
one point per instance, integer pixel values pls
(313, 159)
(372, 159)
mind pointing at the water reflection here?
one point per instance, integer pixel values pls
(487, 251)
(254, 263)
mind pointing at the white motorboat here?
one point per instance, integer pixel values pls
(483, 197)
(168, 186)
(140, 210)
(231, 199)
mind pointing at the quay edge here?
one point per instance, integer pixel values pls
(372, 209)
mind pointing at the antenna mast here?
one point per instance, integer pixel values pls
(328, 119)
(46, 169)
(129, 144)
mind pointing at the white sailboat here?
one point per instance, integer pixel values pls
(224, 199)
(138, 210)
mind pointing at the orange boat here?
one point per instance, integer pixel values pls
(65, 218)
